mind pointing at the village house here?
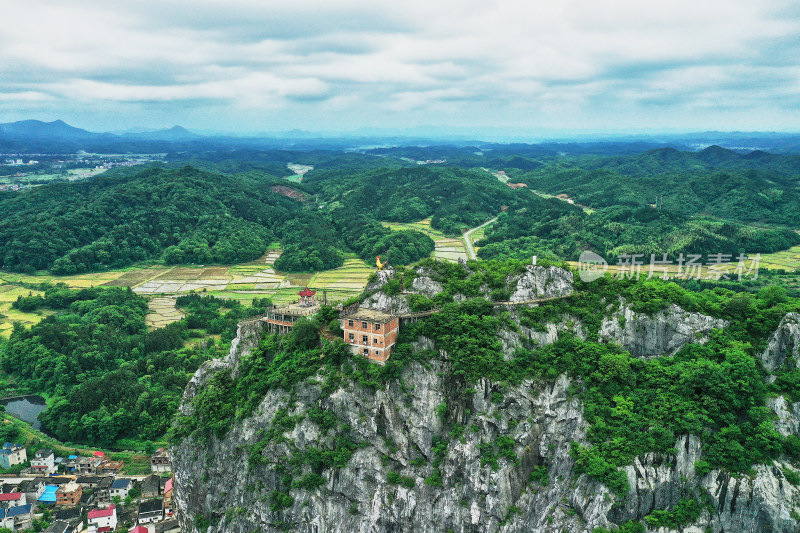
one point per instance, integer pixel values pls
(102, 520)
(32, 488)
(68, 514)
(151, 511)
(81, 465)
(60, 526)
(18, 517)
(110, 467)
(12, 499)
(168, 526)
(151, 486)
(281, 319)
(159, 462)
(12, 455)
(44, 461)
(371, 333)
(168, 498)
(69, 494)
(103, 489)
(120, 488)
(139, 529)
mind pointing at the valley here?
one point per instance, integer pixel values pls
(157, 277)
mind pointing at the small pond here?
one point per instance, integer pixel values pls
(26, 408)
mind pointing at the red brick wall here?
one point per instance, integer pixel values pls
(381, 338)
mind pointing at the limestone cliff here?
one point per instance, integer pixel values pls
(665, 332)
(408, 474)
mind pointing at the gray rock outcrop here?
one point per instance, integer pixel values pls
(783, 344)
(665, 332)
(542, 282)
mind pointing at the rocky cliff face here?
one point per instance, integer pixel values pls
(471, 485)
(542, 282)
(783, 344)
(665, 332)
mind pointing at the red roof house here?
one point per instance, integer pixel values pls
(100, 513)
(139, 529)
(10, 496)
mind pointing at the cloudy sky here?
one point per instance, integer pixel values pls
(252, 66)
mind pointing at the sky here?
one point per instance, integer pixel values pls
(528, 67)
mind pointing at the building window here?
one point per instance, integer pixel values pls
(377, 327)
(352, 337)
(364, 325)
(364, 339)
(366, 351)
(350, 323)
(375, 340)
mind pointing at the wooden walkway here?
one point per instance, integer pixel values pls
(495, 304)
(421, 314)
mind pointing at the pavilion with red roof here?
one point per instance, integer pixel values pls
(307, 297)
(281, 318)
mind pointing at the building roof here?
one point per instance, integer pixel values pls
(101, 513)
(307, 292)
(49, 494)
(69, 487)
(99, 454)
(111, 465)
(44, 452)
(369, 314)
(10, 497)
(58, 526)
(168, 485)
(67, 514)
(167, 525)
(161, 452)
(18, 510)
(151, 483)
(139, 529)
(121, 483)
(151, 506)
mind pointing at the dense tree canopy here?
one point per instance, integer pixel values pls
(108, 377)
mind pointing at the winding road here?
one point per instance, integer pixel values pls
(470, 249)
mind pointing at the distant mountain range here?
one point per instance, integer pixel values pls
(36, 129)
(60, 130)
(58, 136)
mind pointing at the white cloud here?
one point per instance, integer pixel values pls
(346, 62)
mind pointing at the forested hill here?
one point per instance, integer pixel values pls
(753, 187)
(113, 221)
(182, 215)
(455, 198)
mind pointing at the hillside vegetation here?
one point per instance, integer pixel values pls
(179, 216)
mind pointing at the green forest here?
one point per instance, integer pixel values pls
(655, 202)
(181, 216)
(106, 376)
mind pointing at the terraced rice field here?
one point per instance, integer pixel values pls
(786, 259)
(162, 311)
(352, 276)
(162, 284)
(451, 249)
